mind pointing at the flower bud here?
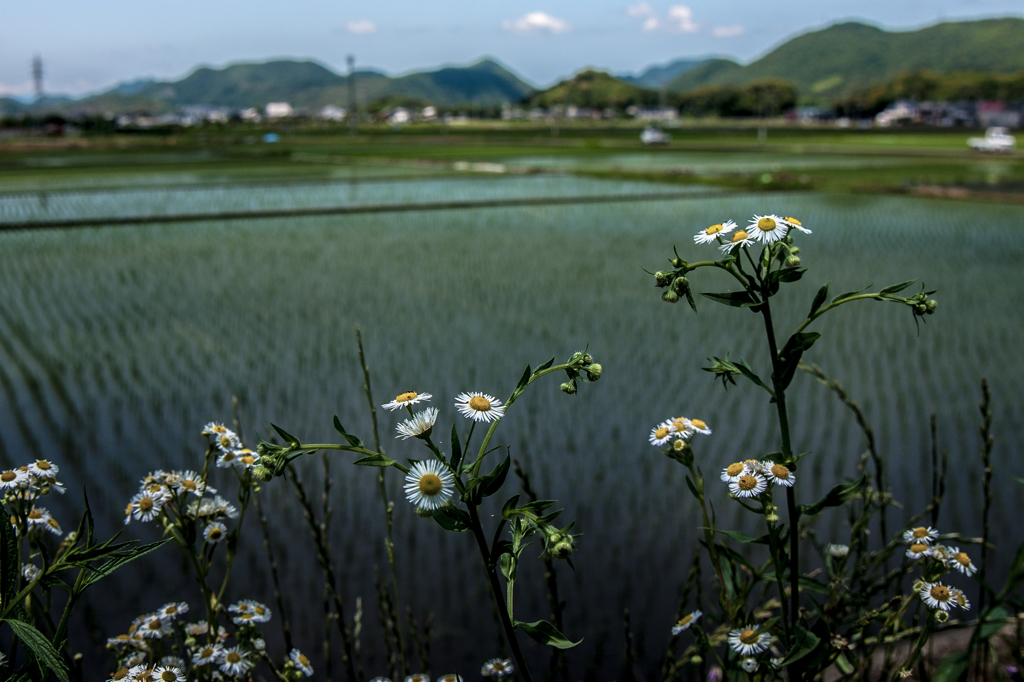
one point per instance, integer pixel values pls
(569, 387)
(794, 250)
(678, 263)
(593, 372)
(587, 358)
(561, 546)
(792, 261)
(663, 279)
(696, 660)
(424, 513)
(941, 616)
(670, 296)
(920, 309)
(680, 285)
(931, 305)
(262, 473)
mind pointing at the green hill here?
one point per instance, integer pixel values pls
(656, 76)
(594, 89)
(307, 84)
(850, 57)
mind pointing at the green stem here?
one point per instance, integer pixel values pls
(830, 306)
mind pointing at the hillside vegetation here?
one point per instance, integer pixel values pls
(594, 89)
(849, 57)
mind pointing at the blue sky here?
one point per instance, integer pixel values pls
(88, 47)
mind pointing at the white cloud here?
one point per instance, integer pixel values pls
(652, 24)
(640, 10)
(535, 22)
(362, 26)
(681, 18)
(728, 31)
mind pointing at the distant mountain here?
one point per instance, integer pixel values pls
(848, 57)
(307, 84)
(11, 107)
(594, 89)
(656, 76)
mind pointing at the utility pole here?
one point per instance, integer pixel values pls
(353, 111)
(37, 76)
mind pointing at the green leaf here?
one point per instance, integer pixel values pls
(805, 642)
(456, 449)
(493, 481)
(287, 437)
(9, 568)
(819, 299)
(452, 518)
(953, 667)
(510, 504)
(523, 381)
(992, 623)
(850, 294)
(40, 647)
(120, 560)
(375, 460)
(835, 497)
(352, 440)
(896, 288)
(736, 299)
(538, 506)
(545, 633)
(746, 371)
(689, 299)
(541, 368)
(789, 356)
(738, 536)
(784, 275)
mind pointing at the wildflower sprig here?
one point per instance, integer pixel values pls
(451, 486)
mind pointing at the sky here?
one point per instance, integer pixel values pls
(90, 47)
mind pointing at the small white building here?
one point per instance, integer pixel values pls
(250, 115)
(279, 110)
(332, 113)
(429, 113)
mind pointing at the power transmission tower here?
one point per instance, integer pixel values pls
(37, 76)
(353, 111)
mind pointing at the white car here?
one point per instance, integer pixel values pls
(996, 139)
(654, 135)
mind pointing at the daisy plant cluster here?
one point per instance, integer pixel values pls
(162, 647)
(768, 625)
(450, 486)
(38, 561)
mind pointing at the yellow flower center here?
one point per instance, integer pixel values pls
(216, 533)
(780, 471)
(145, 675)
(416, 678)
(168, 676)
(679, 424)
(171, 609)
(128, 509)
(961, 599)
(748, 636)
(225, 441)
(219, 428)
(499, 666)
(188, 484)
(766, 224)
(35, 514)
(739, 235)
(661, 432)
(685, 620)
(120, 674)
(228, 456)
(735, 469)
(303, 660)
(124, 638)
(962, 558)
(406, 397)
(679, 445)
(940, 593)
(206, 653)
(480, 403)
(145, 504)
(43, 464)
(259, 610)
(794, 221)
(233, 657)
(714, 229)
(920, 532)
(918, 548)
(154, 624)
(52, 523)
(155, 488)
(8, 476)
(747, 482)
(242, 608)
(430, 484)
(698, 424)
(247, 459)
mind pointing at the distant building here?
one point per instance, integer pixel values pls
(900, 111)
(250, 115)
(399, 115)
(279, 110)
(331, 113)
(429, 113)
(998, 114)
(657, 114)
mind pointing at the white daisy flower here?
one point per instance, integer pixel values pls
(197, 629)
(419, 426)
(937, 596)
(428, 485)
(138, 658)
(838, 551)
(172, 610)
(140, 672)
(941, 554)
(749, 664)
(961, 562)
(793, 222)
(960, 598)
(918, 550)
(920, 534)
(781, 475)
(30, 572)
(14, 478)
(406, 399)
(138, 623)
(215, 429)
(43, 468)
(747, 640)
(497, 667)
(381, 678)
(748, 485)
(207, 654)
(39, 519)
(146, 506)
(662, 433)
(174, 661)
(235, 661)
(767, 228)
(417, 677)
(155, 627)
(227, 459)
(246, 458)
(450, 677)
(250, 611)
(712, 233)
(214, 532)
(191, 482)
(479, 407)
(122, 675)
(54, 485)
(739, 238)
(685, 622)
(732, 473)
(698, 426)
(126, 641)
(227, 442)
(168, 674)
(224, 508)
(301, 662)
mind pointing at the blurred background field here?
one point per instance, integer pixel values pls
(118, 343)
